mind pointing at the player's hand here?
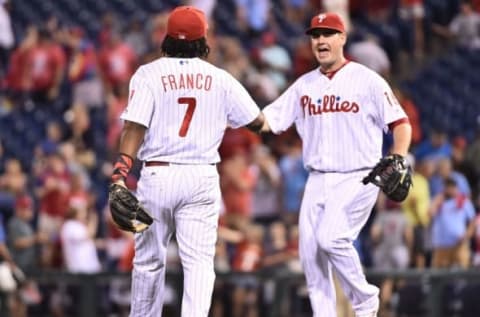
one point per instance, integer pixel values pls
(127, 212)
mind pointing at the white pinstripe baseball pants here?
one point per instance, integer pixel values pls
(186, 199)
(335, 207)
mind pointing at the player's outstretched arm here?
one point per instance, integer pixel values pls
(260, 124)
(266, 127)
(257, 124)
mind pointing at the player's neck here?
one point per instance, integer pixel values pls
(333, 67)
(330, 70)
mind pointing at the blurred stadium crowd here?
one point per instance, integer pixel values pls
(64, 72)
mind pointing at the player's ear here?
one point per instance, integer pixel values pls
(343, 37)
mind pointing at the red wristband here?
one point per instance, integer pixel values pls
(122, 167)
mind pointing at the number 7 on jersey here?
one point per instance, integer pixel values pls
(192, 103)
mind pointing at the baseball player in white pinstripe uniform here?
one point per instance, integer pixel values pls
(178, 110)
(340, 111)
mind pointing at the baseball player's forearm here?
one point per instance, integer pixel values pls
(266, 127)
(402, 136)
(130, 141)
(131, 138)
(257, 124)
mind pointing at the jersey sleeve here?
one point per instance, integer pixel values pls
(389, 109)
(241, 108)
(140, 101)
(283, 112)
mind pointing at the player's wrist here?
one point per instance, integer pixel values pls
(398, 156)
(121, 168)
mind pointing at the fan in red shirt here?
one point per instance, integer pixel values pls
(117, 62)
(54, 190)
(237, 184)
(247, 258)
(83, 70)
(16, 77)
(45, 67)
(54, 194)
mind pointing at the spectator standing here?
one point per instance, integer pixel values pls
(253, 15)
(412, 14)
(416, 209)
(369, 53)
(16, 77)
(13, 181)
(247, 258)
(83, 70)
(294, 178)
(78, 241)
(453, 226)
(445, 171)
(45, 67)
(22, 238)
(276, 60)
(237, 185)
(52, 141)
(23, 241)
(117, 62)
(53, 191)
(80, 134)
(135, 37)
(465, 27)
(436, 146)
(265, 194)
(392, 236)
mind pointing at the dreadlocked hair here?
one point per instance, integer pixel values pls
(180, 48)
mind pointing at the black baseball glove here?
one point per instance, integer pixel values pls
(393, 176)
(127, 213)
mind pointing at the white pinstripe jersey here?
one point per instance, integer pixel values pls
(340, 120)
(186, 104)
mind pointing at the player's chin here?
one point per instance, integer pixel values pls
(324, 59)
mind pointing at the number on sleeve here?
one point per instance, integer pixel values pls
(191, 102)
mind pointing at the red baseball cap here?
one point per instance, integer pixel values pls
(330, 21)
(187, 23)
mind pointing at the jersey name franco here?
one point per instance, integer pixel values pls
(186, 105)
(186, 81)
(324, 111)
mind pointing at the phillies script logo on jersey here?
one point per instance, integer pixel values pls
(329, 103)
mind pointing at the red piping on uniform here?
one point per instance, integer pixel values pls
(392, 125)
(332, 73)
